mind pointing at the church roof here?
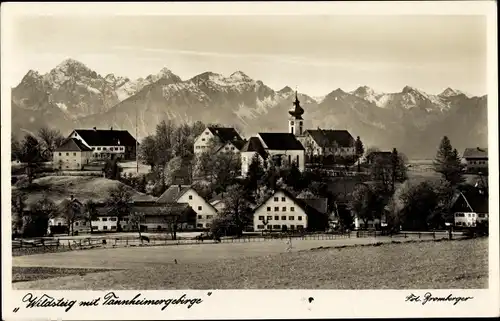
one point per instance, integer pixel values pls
(329, 137)
(254, 145)
(296, 111)
(281, 141)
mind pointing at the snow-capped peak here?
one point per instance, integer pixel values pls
(285, 90)
(239, 75)
(449, 92)
(69, 64)
(364, 90)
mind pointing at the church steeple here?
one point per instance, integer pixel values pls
(295, 122)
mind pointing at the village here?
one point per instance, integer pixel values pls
(209, 179)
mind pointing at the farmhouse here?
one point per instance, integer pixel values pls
(205, 212)
(107, 143)
(71, 155)
(476, 159)
(226, 139)
(469, 208)
(328, 143)
(283, 211)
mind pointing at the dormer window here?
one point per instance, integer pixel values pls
(292, 123)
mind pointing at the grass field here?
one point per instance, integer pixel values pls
(265, 265)
(58, 188)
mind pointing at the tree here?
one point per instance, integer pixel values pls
(237, 208)
(37, 221)
(111, 169)
(448, 163)
(119, 203)
(50, 140)
(18, 206)
(360, 149)
(148, 152)
(163, 139)
(71, 210)
(89, 213)
(419, 204)
(387, 171)
(366, 203)
(254, 176)
(15, 148)
(30, 154)
(135, 219)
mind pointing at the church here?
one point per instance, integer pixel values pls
(298, 145)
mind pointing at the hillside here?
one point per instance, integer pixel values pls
(59, 188)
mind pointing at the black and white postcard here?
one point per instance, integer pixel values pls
(249, 160)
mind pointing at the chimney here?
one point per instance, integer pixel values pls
(111, 128)
(95, 128)
(179, 186)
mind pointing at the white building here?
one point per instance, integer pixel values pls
(280, 210)
(205, 212)
(476, 159)
(107, 143)
(252, 148)
(225, 139)
(326, 142)
(71, 155)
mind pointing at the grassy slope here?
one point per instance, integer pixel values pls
(446, 264)
(83, 188)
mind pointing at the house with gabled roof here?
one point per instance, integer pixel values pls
(205, 212)
(73, 154)
(252, 148)
(224, 139)
(476, 159)
(282, 210)
(107, 143)
(469, 208)
(328, 142)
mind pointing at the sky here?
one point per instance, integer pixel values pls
(315, 53)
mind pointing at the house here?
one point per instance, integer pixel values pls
(282, 211)
(71, 155)
(107, 143)
(328, 143)
(252, 148)
(59, 223)
(476, 159)
(218, 202)
(205, 212)
(226, 139)
(372, 156)
(469, 208)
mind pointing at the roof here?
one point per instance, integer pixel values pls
(225, 134)
(330, 137)
(149, 208)
(470, 201)
(476, 152)
(73, 145)
(105, 137)
(320, 203)
(173, 193)
(308, 209)
(281, 141)
(254, 145)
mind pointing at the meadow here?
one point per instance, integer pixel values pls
(265, 265)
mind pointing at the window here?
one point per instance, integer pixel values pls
(298, 156)
(269, 218)
(292, 209)
(226, 148)
(199, 208)
(206, 133)
(104, 219)
(232, 148)
(269, 208)
(113, 219)
(200, 217)
(292, 227)
(269, 227)
(113, 227)
(291, 218)
(95, 228)
(104, 227)
(209, 217)
(122, 148)
(67, 154)
(59, 154)
(276, 199)
(292, 123)
(284, 209)
(283, 218)
(98, 148)
(468, 215)
(276, 217)
(283, 199)
(261, 218)
(104, 148)
(289, 159)
(76, 224)
(276, 209)
(190, 197)
(260, 227)
(299, 218)
(277, 226)
(203, 139)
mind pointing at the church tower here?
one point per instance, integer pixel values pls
(295, 121)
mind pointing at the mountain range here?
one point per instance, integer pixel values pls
(72, 95)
